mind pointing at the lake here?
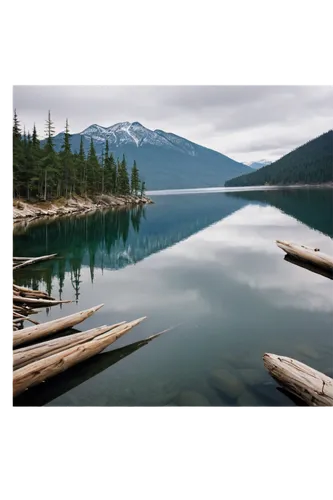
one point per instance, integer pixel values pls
(204, 263)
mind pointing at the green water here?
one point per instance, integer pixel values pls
(204, 263)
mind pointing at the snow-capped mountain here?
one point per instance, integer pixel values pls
(165, 160)
(257, 164)
(138, 135)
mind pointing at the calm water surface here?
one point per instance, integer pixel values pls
(206, 264)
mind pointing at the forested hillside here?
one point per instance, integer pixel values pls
(311, 163)
(40, 172)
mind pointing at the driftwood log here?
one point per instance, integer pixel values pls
(310, 385)
(39, 302)
(25, 355)
(33, 261)
(313, 255)
(29, 291)
(42, 330)
(40, 370)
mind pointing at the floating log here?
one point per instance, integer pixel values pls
(40, 370)
(314, 268)
(25, 355)
(56, 325)
(313, 255)
(310, 385)
(39, 302)
(34, 260)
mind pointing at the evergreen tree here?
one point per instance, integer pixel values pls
(36, 174)
(92, 170)
(143, 189)
(66, 158)
(50, 164)
(81, 170)
(135, 180)
(17, 156)
(123, 179)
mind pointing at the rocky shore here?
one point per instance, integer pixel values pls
(24, 210)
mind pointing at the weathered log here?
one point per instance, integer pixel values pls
(56, 325)
(32, 353)
(34, 260)
(22, 289)
(303, 252)
(310, 385)
(40, 370)
(39, 302)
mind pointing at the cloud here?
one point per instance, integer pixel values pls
(245, 122)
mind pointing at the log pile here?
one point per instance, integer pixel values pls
(35, 363)
(24, 302)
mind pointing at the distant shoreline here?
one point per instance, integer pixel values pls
(25, 210)
(222, 189)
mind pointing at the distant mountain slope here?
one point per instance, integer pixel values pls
(257, 164)
(311, 163)
(165, 160)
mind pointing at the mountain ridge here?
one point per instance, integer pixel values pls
(165, 160)
(310, 163)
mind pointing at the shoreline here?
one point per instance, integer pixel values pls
(24, 210)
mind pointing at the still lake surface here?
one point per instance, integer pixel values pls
(205, 263)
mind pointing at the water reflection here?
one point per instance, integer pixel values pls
(209, 262)
(313, 207)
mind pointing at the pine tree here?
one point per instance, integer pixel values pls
(123, 180)
(143, 189)
(17, 156)
(66, 158)
(135, 181)
(36, 174)
(93, 168)
(50, 162)
(81, 169)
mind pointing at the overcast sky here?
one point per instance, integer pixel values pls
(246, 123)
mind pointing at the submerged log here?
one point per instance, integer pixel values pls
(39, 302)
(313, 255)
(32, 261)
(40, 370)
(310, 385)
(25, 355)
(56, 325)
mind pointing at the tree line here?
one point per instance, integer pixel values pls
(311, 163)
(40, 172)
